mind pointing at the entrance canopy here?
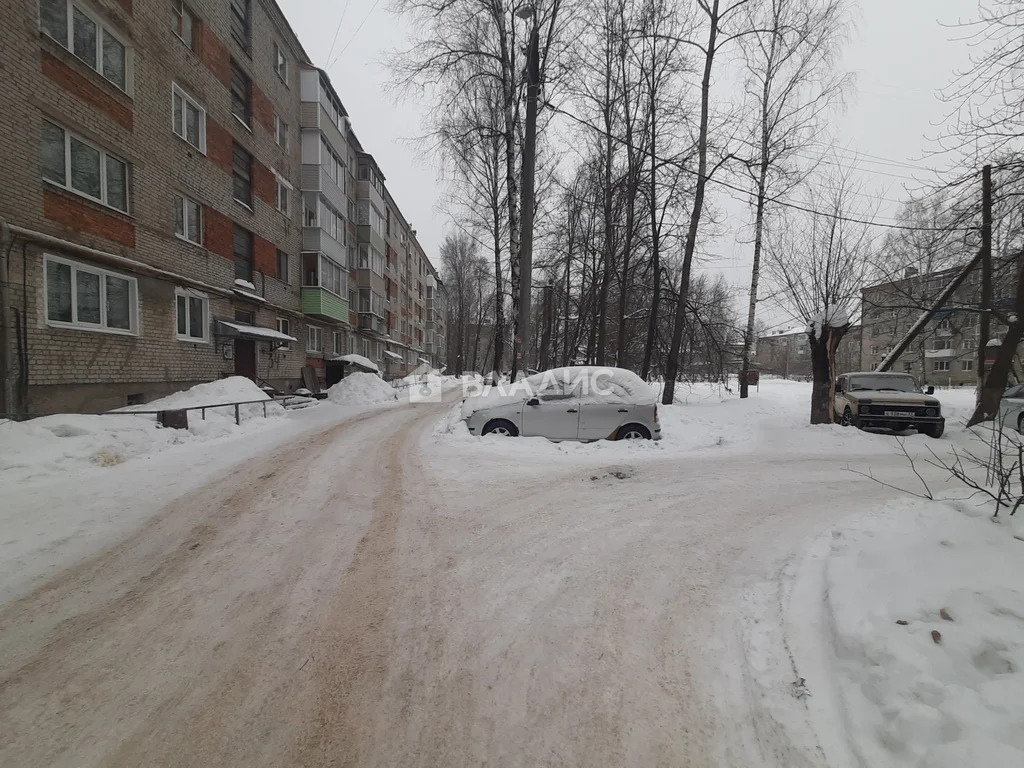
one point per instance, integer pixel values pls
(255, 332)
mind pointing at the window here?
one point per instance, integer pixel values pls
(284, 326)
(908, 367)
(943, 324)
(331, 164)
(193, 312)
(282, 265)
(243, 254)
(82, 33)
(366, 347)
(245, 316)
(280, 132)
(183, 23)
(241, 170)
(332, 277)
(89, 298)
(339, 343)
(939, 344)
(940, 365)
(82, 167)
(284, 191)
(314, 339)
(188, 118)
(241, 95)
(240, 24)
(188, 219)
(280, 64)
(966, 365)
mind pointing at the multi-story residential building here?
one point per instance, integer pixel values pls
(945, 352)
(149, 188)
(787, 353)
(183, 198)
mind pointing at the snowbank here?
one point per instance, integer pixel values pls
(64, 442)
(925, 612)
(362, 389)
(359, 360)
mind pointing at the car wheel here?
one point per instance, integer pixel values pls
(847, 420)
(633, 432)
(501, 427)
(934, 430)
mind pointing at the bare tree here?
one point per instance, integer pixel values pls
(789, 56)
(819, 260)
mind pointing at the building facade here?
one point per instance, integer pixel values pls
(183, 204)
(787, 353)
(945, 352)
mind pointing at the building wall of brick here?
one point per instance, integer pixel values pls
(40, 79)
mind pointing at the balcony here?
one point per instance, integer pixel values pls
(366, 234)
(324, 305)
(316, 179)
(370, 322)
(313, 115)
(317, 239)
(940, 354)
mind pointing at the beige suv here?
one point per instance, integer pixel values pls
(887, 401)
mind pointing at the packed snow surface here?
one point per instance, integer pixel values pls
(362, 389)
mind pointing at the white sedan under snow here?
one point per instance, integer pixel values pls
(574, 403)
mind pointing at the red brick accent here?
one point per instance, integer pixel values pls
(88, 91)
(263, 183)
(265, 257)
(81, 216)
(218, 144)
(127, 5)
(214, 54)
(218, 233)
(262, 109)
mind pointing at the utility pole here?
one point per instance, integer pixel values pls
(986, 273)
(524, 335)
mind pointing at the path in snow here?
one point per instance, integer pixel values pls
(381, 595)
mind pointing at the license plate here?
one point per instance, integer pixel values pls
(900, 414)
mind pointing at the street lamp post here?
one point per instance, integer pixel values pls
(527, 194)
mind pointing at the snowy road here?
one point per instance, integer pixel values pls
(373, 595)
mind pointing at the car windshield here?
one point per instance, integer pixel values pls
(877, 382)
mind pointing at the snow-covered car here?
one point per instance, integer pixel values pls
(887, 401)
(574, 403)
(1011, 408)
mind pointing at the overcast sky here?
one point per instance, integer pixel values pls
(899, 52)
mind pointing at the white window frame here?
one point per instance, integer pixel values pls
(102, 30)
(281, 129)
(967, 365)
(177, 90)
(326, 264)
(280, 63)
(314, 335)
(104, 154)
(339, 343)
(284, 325)
(187, 293)
(101, 327)
(182, 200)
(281, 183)
(183, 12)
(940, 366)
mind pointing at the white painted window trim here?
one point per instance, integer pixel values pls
(278, 122)
(281, 64)
(286, 331)
(68, 134)
(187, 99)
(184, 210)
(188, 293)
(102, 29)
(314, 334)
(77, 266)
(281, 181)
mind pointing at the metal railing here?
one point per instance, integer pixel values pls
(282, 401)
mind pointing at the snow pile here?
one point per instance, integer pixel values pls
(362, 389)
(54, 444)
(925, 606)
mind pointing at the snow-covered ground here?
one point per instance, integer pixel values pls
(362, 389)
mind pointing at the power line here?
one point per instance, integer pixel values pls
(747, 193)
(337, 29)
(356, 33)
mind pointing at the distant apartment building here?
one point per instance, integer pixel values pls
(787, 353)
(183, 201)
(945, 352)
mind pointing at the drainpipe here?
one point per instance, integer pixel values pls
(6, 339)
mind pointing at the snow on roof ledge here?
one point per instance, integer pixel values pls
(258, 331)
(393, 355)
(362, 362)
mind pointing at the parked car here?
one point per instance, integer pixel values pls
(1011, 408)
(888, 401)
(575, 403)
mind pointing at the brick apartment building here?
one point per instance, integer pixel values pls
(945, 352)
(787, 353)
(173, 217)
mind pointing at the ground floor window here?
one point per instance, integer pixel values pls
(940, 365)
(193, 313)
(966, 365)
(284, 326)
(366, 348)
(315, 340)
(89, 298)
(339, 343)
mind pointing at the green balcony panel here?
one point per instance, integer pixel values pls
(318, 302)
